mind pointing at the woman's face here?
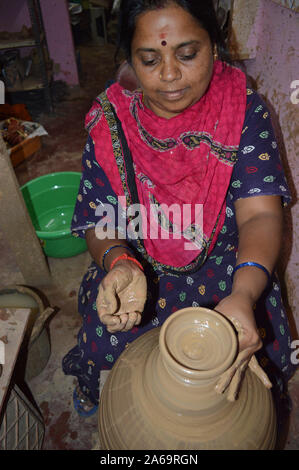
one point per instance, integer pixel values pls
(172, 58)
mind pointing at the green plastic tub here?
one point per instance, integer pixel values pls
(50, 200)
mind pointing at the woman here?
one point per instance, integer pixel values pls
(192, 136)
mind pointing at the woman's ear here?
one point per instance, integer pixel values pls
(126, 76)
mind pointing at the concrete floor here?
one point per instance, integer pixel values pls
(61, 151)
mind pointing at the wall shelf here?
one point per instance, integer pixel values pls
(38, 41)
(7, 44)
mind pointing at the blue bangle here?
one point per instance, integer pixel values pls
(111, 248)
(251, 263)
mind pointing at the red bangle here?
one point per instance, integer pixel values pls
(126, 256)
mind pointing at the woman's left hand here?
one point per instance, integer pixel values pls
(239, 311)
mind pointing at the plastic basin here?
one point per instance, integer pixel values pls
(50, 201)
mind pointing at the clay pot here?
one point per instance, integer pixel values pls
(36, 347)
(160, 394)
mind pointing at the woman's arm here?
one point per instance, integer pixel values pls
(259, 221)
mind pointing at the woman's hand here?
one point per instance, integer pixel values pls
(121, 297)
(237, 308)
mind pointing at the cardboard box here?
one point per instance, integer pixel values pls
(28, 146)
(25, 149)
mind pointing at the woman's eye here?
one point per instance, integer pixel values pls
(188, 56)
(148, 62)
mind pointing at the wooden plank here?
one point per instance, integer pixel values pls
(17, 227)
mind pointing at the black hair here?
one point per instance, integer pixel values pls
(202, 10)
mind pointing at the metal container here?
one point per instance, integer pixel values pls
(36, 348)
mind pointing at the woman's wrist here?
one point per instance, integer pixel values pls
(249, 282)
(125, 257)
(254, 265)
(114, 252)
(107, 249)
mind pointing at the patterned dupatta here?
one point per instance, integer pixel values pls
(177, 169)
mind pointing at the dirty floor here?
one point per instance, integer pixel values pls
(61, 151)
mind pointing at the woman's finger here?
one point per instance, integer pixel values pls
(234, 386)
(138, 318)
(257, 369)
(131, 319)
(124, 322)
(106, 301)
(114, 325)
(123, 318)
(225, 379)
(109, 320)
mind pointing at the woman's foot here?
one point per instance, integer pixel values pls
(82, 404)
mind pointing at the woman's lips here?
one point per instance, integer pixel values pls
(173, 95)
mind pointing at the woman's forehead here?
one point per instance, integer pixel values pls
(171, 23)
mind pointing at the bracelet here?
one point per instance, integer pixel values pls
(251, 263)
(125, 256)
(111, 248)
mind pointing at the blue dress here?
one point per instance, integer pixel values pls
(257, 172)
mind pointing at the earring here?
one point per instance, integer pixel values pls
(215, 54)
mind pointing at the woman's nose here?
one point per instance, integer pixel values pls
(170, 72)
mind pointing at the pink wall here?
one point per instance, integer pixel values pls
(273, 70)
(14, 14)
(60, 39)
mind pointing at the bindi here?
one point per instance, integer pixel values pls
(163, 36)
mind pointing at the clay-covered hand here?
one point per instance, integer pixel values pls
(239, 311)
(121, 298)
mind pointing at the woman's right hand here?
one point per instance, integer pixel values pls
(122, 295)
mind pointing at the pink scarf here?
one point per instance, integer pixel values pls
(185, 160)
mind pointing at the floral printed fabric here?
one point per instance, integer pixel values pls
(258, 172)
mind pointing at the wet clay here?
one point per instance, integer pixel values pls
(121, 298)
(161, 394)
